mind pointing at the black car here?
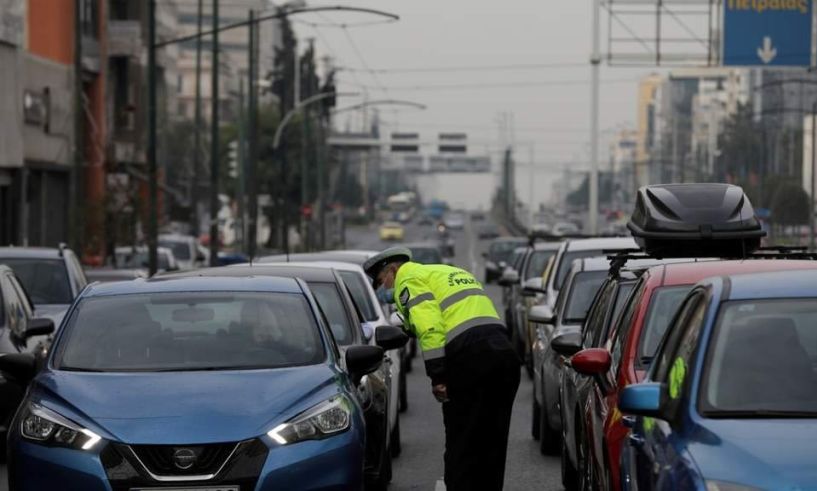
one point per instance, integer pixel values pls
(345, 322)
(425, 253)
(20, 332)
(498, 255)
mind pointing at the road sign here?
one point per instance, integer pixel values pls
(767, 32)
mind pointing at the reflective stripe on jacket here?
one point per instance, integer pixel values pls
(439, 303)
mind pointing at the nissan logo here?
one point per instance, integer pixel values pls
(184, 458)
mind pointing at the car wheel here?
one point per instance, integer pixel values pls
(570, 477)
(396, 445)
(536, 421)
(380, 482)
(584, 468)
(548, 438)
(403, 393)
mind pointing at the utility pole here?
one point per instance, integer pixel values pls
(194, 178)
(252, 139)
(75, 213)
(813, 155)
(241, 168)
(214, 136)
(595, 61)
(153, 211)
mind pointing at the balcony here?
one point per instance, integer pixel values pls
(125, 38)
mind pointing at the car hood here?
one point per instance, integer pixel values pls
(764, 453)
(186, 407)
(55, 312)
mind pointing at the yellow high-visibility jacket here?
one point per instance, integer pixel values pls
(439, 303)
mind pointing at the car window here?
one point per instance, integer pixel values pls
(761, 360)
(536, 264)
(331, 302)
(598, 311)
(190, 331)
(668, 346)
(22, 296)
(3, 301)
(502, 250)
(583, 290)
(360, 293)
(620, 330)
(426, 255)
(563, 268)
(78, 273)
(663, 305)
(45, 280)
(181, 250)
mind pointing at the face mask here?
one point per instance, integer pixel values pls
(385, 295)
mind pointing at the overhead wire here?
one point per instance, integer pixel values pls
(465, 68)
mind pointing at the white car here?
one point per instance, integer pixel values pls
(128, 257)
(185, 249)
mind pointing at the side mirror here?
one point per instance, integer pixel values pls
(485, 255)
(395, 320)
(390, 337)
(532, 287)
(502, 265)
(567, 344)
(642, 400)
(592, 361)
(362, 360)
(39, 326)
(20, 366)
(541, 314)
(509, 278)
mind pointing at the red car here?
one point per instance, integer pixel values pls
(629, 350)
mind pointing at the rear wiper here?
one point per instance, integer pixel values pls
(761, 413)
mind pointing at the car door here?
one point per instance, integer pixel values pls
(657, 460)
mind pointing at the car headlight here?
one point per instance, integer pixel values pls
(728, 486)
(43, 425)
(326, 419)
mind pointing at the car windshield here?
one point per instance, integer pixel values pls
(762, 359)
(426, 255)
(331, 303)
(581, 295)
(190, 331)
(45, 280)
(180, 249)
(360, 294)
(665, 301)
(502, 250)
(537, 262)
(567, 260)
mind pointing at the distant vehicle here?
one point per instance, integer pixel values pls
(436, 209)
(478, 215)
(235, 374)
(347, 256)
(565, 228)
(20, 332)
(498, 254)
(391, 231)
(401, 206)
(52, 277)
(455, 220)
(488, 231)
(425, 219)
(425, 253)
(137, 257)
(185, 250)
(229, 258)
(541, 229)
(107, 275)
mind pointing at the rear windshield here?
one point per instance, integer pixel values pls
(360, 294)
(181, 250)
(663, 305)
(189, 332)
(537, 262)
(502, 250)
(331, 303)
(581, 295)
(762, 359)
(45, 280)
(426, 255)
(567, 260)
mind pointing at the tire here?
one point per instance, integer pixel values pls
(536, 421)
(396, 446)
(381, 481)
(548, 438)
(403, 393)
(570, 476)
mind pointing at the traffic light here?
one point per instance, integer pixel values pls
(232, 159)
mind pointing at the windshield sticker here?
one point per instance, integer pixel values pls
(676, 378)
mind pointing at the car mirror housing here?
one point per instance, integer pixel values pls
(509, 278)
(592, 361)
(541, 314)
(362, 360)
(567, 343)
(390, 337)
(39, 326)
(645, 399)
(21, 366)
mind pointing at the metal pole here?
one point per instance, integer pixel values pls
(284, 203)
(252, 139)
(214, 136)
(595, 61)
(531, 176)
(75, 213)
(241, 166)
(153, 207)
(813, 168)
(194, 182)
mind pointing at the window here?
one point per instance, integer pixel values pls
(595, 318)
(332, 305)
(45, 280)
(536, 264)
(22, 297)
(582, 292)
(663, 305)
(360, 293)
(621, 329)
(667, 348)
(567, 261)
(190, 331)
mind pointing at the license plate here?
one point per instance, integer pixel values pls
(210, 488)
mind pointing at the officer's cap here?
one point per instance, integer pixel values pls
(376, 263)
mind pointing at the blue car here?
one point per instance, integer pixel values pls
(730, 403)
(226, 384)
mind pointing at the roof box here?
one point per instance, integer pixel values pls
(703, 220)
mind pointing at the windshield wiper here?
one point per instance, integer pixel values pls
(760, 414)
(212, 369)
(82, 369)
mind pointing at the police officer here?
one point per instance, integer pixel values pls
(473, 368)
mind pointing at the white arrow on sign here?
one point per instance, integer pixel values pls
(767, 53)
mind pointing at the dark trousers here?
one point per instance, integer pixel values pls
(482, 381)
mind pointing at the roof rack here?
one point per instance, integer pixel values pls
(619, 257)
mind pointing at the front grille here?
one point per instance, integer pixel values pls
(183, 460)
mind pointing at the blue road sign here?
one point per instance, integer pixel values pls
(767, 32)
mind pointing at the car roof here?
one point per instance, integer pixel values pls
(689, 273)
(285, 270)
(547, 246)
(353, 256)
(336, 265)
(593, 263)
(30, 252)
(777, 284)
(172, 283)
(601, 243)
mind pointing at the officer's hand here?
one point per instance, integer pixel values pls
(440, 391)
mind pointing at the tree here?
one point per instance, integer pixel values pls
(741, 147)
